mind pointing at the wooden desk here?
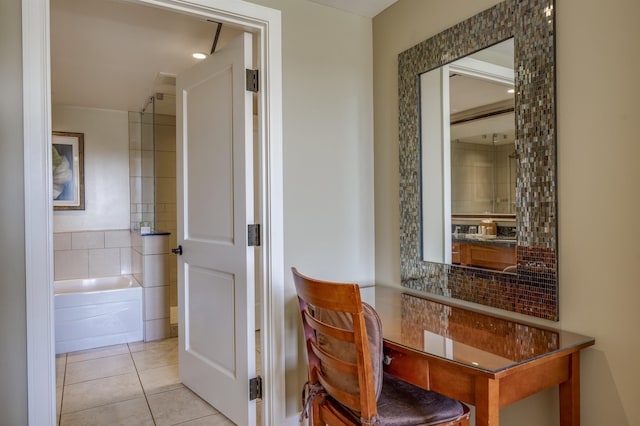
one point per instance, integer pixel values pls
(484, 360)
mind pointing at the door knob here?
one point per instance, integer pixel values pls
(177, 250)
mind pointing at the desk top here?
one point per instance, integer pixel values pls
(469, 337)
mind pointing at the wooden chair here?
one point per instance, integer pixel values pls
(346, 384)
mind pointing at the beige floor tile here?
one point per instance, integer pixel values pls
(178, 405)
(58, 400)
(61, 364)
(157, 344)
(160, 379)
(212, 420)
(98, 368)
(125, 413)
(97, 353)
(95, 393)
(154, 358)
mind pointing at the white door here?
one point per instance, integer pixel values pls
(215, 204)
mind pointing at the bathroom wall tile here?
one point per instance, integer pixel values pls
(173, 295)
(147, 163)
(165, 138)
(147, 135)
(156, 329)
(135, 163)
(70, 264)
(135, 189)
(164, 120)
(133, 117)
(166, 190)
(104, 262)
(136, 241)
(155, 269)
(147, 190)
(136, 218)
(155, 244)
(165, 164)
(87, 240)
(156, 302)
(125, 261)
(62, 241)
(117, 239)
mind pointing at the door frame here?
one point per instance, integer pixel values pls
(265, 24)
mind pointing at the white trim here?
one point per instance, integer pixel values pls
(483, 70)
(266, 23)
(38, 207)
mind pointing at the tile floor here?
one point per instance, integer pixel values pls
(129, 384)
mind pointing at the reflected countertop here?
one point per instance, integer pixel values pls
(484, 240)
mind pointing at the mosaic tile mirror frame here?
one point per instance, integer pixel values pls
(533, 289)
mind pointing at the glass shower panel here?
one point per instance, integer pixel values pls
(147, 168)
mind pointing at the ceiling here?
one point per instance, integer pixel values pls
(109, 53)
(368, 8)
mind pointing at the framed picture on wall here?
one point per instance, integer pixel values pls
(67, 152)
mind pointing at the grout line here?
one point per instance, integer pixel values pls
(64, 379)
(144, 392)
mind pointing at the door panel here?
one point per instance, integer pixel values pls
(210, 154)
(216, 273)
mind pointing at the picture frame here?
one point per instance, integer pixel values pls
(67, 154)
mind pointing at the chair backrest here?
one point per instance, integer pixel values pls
(321, 302)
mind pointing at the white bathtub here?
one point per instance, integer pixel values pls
(95, 312)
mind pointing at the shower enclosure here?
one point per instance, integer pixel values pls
(153, 179)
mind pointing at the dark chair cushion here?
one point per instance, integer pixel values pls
(346, 351)
(403, 404)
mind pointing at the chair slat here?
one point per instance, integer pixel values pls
(329, 330)
(346, 398)
(333, 362)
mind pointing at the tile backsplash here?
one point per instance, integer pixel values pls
(91, 254)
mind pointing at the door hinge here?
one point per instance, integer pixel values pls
(252, 81)
(253, 235)
(255, 388)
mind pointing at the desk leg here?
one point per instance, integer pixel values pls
(487, 402)
(570, 394)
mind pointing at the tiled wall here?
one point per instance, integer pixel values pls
(165, 181)
(150, 267)
(473, 182)
(152, 144)
(91, 254)
(141, 168)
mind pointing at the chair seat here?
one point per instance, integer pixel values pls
(403, 404)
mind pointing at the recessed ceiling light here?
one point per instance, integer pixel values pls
(199, 55)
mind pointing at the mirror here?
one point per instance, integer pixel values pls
(467, 110)
(531, 287)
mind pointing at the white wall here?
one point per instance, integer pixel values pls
(106, 168)
(328, 158)
(597, 90)
(13, 349)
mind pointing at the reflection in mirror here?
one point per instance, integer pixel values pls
(528, 212)
(468, 160)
